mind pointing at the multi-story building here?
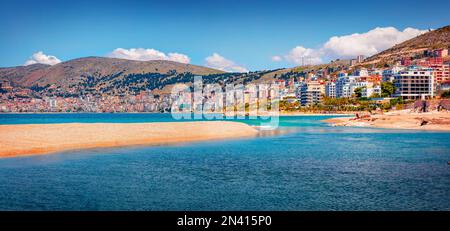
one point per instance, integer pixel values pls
(345, 86)
(375, 79)
(330, 89)
(415, 83)
(370, 90)
(360, 58)
(311, 93)
(388, 74)
(440, 70)
(441, 73)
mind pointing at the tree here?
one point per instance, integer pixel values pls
(358, 92)
(387, 89)
(375, 95)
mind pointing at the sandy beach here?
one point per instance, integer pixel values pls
(18, 140)
(438, 121)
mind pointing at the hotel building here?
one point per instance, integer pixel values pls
(415, 83)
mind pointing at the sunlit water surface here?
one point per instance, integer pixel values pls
(305, 165)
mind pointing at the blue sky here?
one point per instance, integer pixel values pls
(251, 35)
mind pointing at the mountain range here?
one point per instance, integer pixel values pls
(120, 75)
(75, 71)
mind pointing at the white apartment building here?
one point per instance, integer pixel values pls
(345, 86)
(311, 93)
(342, 86)
(330, 90)
(370, 90)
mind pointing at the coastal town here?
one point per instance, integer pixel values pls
(423, 77)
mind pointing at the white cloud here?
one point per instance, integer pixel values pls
(349, 46)
(369, 43)
(142, 54)
(276, 58)
(177, 57)
(221, 63)
(40, 57)
(301, 55)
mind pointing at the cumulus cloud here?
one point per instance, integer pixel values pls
(349, 46)
(221, 63)
(142, 54)
(302, 55)
(368, 43)
(40, 57)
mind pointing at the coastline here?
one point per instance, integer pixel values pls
(316, 114)
(281, 113)
(35, 139)
(284, 113)
(430, 121)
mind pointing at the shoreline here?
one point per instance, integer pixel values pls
(280, 113)
(429, 121)
(316, 114)
(38, 139)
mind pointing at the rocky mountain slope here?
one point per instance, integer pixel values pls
(76, 71)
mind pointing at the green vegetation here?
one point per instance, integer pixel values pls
(387, 89)
(343, 105)
(358, 92)
(375, 95)
(445, 94)
(137, 82)
(398, 103)
(289, 105)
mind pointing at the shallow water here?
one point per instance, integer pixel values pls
(307, 166)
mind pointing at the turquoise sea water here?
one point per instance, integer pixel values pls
(311, 166)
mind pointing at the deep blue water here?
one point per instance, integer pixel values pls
(311, 167)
